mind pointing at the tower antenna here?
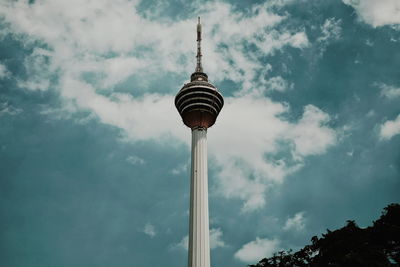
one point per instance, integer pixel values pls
(199, 67)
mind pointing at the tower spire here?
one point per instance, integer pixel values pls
(199, 67)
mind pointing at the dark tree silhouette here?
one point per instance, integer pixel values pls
(377, 245)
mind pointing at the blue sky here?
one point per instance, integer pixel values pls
(94, 161)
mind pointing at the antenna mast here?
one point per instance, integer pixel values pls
(199, 67)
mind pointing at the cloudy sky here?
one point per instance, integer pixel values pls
(94, 157)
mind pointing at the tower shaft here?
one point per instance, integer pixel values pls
(199, 240)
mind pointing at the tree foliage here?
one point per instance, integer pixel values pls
(377, 245)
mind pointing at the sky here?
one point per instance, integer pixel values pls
(95, 160)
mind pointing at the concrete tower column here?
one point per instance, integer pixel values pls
(199, 237)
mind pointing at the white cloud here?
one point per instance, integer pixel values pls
(277, 84)
(369, 42)
(350, 153)
(250, 128)
(215, 240)
(390, 129)
(371, 113)
(39, 70)
(6, 108)
(149, 230)
(4, 72)
(260, 121)
(92, 46)
(81, 36)
(183, 244)
(258, 249)
(135, 160)
(297, 222)
(377, 12)
(179, 169)
(389, 91)
(151, 116)
(331, 30)
(310, 135)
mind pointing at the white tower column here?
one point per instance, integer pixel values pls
(199, 239)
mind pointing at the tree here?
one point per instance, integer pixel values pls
(377, 245)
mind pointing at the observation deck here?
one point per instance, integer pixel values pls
(199, 102)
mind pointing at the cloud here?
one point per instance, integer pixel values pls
(81, 39)
(277, 84)
(149, 230)
(135, 160)
(245, 174)
(151, 116)
(258, 249)
(6, 108)
(389, 91)
(4, 72)
(297, 222)
(377, 13)
(331, 30)
(183, 244)
(39, 70)
(215, 240)
(180, 169)
(89, 48)
(390, 129)
(251, 128)
(310, 135)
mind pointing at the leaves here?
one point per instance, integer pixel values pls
(377, 245)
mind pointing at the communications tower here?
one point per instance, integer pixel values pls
(199, 103)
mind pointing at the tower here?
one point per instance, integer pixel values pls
(199, 103)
